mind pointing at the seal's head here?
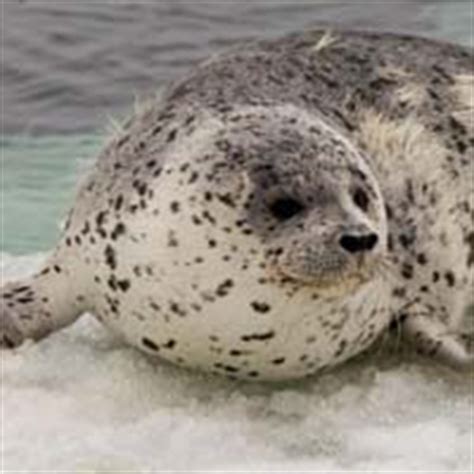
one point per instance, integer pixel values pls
(293, 183)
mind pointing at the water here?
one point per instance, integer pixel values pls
(68, 66)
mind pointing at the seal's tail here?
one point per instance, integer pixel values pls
(39, 305)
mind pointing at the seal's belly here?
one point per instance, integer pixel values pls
(242, 329)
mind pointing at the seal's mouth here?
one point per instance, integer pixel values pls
(342, 279)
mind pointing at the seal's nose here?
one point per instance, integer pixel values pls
(358, 243)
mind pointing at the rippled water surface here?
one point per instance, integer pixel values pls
(67, 66)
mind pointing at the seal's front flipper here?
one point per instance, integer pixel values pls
(10, 335)
(432, 338)
(37, 306)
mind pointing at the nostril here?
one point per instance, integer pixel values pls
(358, 243)
(371, 241)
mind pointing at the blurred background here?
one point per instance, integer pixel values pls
(69, 66)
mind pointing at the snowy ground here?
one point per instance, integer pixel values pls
(81, 401)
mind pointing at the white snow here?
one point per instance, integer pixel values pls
(82, 401)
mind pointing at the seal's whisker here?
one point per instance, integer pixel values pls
(386, 269)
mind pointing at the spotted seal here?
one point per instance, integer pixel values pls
(276, 210)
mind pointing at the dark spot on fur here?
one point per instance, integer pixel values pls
(172, 240)
(421, 259)
(193, 178)
(171, 136)
(230, 368)
(123, 140)
(260, 307)
(170, 344)
(112, 282)
(24, 300)
(149, 344)
(174, 206)
(407, 271)
(86, 229)
(450, 278)
(156, 130)
(196, 220)
(124, 285)
(258, 337)
(226, 199)
(110, 257)
(223, 288)
(206, 215)
(469, 239)
(461, 147)
(211, 243)
(406, 240)
(399, 292)
(141, 188)
(189, 120)
(341, 348)
(118, 231)
(175, 308)
(100, 218)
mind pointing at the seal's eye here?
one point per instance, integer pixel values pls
(285, 208)
(361, 199)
